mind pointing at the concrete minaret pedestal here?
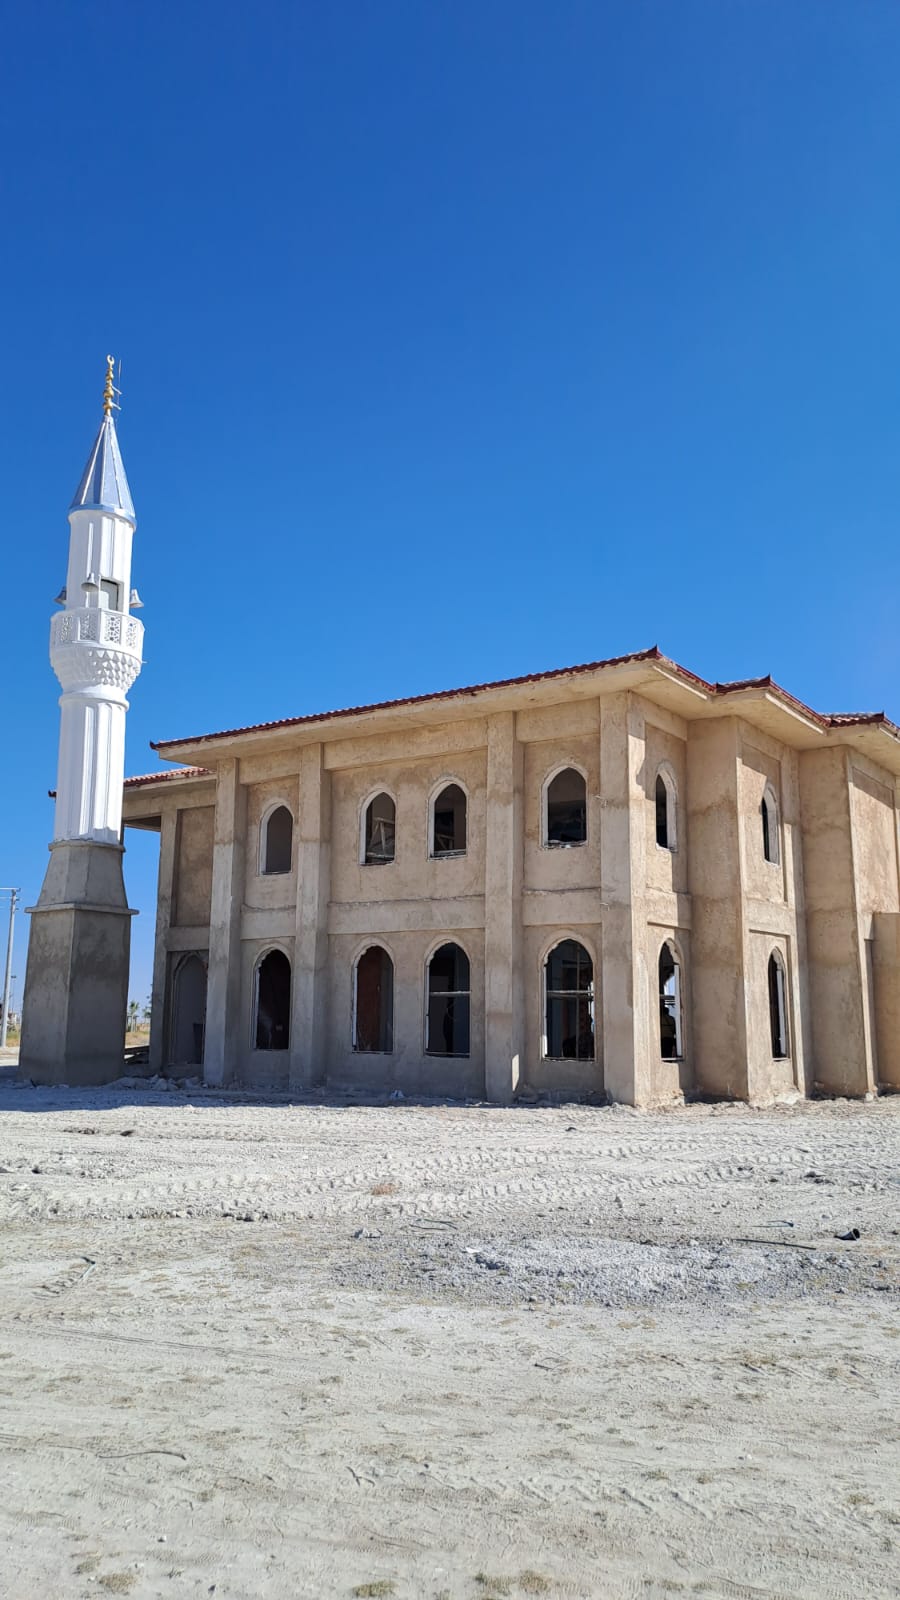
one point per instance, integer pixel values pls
(76, 984)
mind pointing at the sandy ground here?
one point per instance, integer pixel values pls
(432, 1351)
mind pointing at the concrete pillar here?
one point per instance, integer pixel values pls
(76, 981)
(160, 1000)
(717, 924)
(309, 1003)
(227, 1032)
(622, 993)
(504, 1000)
(836, 955)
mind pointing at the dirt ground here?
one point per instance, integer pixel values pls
(446, 1351)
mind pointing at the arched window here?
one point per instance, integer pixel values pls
(448, 822)
(670, 1011)
(188, 1011)
(565, 810)
(373, 1002)
(277, 841)
(769, 814)
(666, 814)
(778, 1007)
(447, 1016)
(569, 1003)
(273, 1002)
(379, 831)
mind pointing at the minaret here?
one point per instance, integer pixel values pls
(76, 986)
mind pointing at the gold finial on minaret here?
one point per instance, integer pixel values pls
(109, 391)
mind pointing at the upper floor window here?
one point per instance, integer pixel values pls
(272, 1021)
(778, 1006)
(108, 598)
(769, 816)
(447, 1016)
(565, 809)
(670, 1010)
(569, 1003)
(379, 829)
(277, 841)
(666, 814)
(448, 822)
(373, 1002)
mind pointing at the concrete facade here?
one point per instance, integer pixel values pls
(723, 839)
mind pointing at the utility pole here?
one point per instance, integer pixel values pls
(13, 902)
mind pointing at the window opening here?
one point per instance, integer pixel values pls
(273, 1002)
(665, 811)
(569, 985)
(279, 837)
(769, 815)
(373, 1009)
(670, 1018)
(566, 809)
(380, 830)
(449, 828)
(108, 597)
(778, 1007)
(447, 1030)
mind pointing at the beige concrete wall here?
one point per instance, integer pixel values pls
(717, 942)
(269, 891)
(407, 1067)
(671, 1079)
(193, 867)
(841, 1057)
(666, 869)
(549, 1076)
(413, 875)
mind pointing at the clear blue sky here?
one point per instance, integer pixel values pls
(459, 340)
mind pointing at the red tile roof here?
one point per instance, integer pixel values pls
(654, 654)
(159, 777)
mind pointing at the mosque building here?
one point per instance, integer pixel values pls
(611, 880)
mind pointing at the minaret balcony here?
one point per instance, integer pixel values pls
(92, 645)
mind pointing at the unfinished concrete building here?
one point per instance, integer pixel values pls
(614, 879)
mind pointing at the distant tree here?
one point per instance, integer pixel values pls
(133, 1009)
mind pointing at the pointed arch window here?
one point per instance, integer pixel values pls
(272, 1019)
(666, 810)
(565, 810)
(449, 997)
(778, 1020)
(379, 831)
(770, 827)
(569, 1003)
(373, 1002)
(671, 1021)
(448, 822)
(277, 841)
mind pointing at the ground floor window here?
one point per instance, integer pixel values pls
(670, 1012)
(447, 1015)
(569, 1001)
(778, 1006)
(373, 1002)
(273, 1002)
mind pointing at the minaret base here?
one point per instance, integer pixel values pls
(76, 985)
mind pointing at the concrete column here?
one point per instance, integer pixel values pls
(504, 1000)
(623, 996)
(837, 963)
(309, 1004)
(715, 876)
(159, 996)
(227, 1032)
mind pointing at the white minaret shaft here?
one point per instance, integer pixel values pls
(95, 645)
